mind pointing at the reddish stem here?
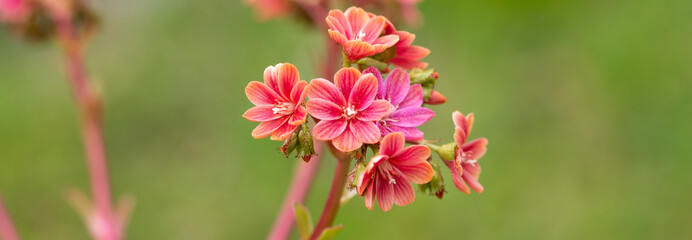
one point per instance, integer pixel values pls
(102, 225)
(331, 207)
(7, 230)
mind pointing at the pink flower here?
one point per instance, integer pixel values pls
(409, 11)
(268, 9)
(348, 110)
(406, 113)
(408, 56)
(14, 11)
(388, 174)
(465, 167)
(358, 32)
(278, 102)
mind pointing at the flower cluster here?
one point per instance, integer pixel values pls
(368, 106)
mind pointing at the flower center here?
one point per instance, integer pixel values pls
(349, 112)
(465, 158)
(361, 35)
(284, 108)
(387, 171)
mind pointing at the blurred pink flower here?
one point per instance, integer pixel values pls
(389, 174)
(409, 11)
(436, 98)
(278, 102)
(348, 110)
(14, 11)
(268, 9)
(359, 32)
(465, 168)
(406, 113)
(407, 56)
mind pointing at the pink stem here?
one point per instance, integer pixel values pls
(302, 179)
(103, 225)
(7, 230)
(331, 207)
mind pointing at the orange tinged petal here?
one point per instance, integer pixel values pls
(363, 92)
(261, 113)
(329, 129)
(321, 88)
(365, 131)
(392, 143)
(345, 79)
(265, 129)
(346, 142)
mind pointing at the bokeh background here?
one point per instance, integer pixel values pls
(587, 106)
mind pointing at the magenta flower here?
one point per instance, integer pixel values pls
(406, 113)
(465, 168)
(348, 110)
(359, 32)
(278, 102)
(389, 174)
(14, 11)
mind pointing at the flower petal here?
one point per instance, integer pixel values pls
(270, 78)
(380, 82)
(472, 182)
(365, 178)
(321, 88)
(414, 97)
(261, 113)
(397, 85)
(299, 92)
(324, 110)
(265, 129)
(345, 79)
(405, 38)
(385, 193)
(375, 112)
(260, 94)
(372, 29)
(298, 116)
(365, 131)
(457, 171)
(357, 49)
(346, 142)
(412, 52)
(357, 17)
(410, 133)
(363, 92)
(326, 130)
(410, 117)
(386, 41)
(407, 63)
(464, 123)
(410, 156)
(420, 173)
(475, 149)
(287, 75)
(283, 132)
(340, 23)
(337, 37)
(370, 197)
(392, 143)
(402, 191)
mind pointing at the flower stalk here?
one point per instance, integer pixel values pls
(103, 225)
(331, 207)
(7, 229)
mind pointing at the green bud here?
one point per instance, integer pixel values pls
(374, 63)
(448, 151)
(436, 186)
(307, 146)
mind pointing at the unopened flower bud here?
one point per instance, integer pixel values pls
(436, 98)
(307, 147)
(447, 151)
(290, 143)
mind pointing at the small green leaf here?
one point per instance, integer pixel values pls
(330, 232)
(374, 63)
(303, 220)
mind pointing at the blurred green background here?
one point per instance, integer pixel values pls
(587, 106)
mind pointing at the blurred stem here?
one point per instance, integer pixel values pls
(102, 224)
(305, 172)
(300, 186)
(7, 230)
(331, 207)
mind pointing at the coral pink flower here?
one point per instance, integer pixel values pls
(409, 11)
(278, 102)
(348, 110)
(465, 167)
(14, 11)
(268, 9)
(406, 113)
(389, 174)
(408, 56)
(358, 32)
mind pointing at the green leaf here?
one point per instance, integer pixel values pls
(330, 232)
(374, 63)
(303, 220)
